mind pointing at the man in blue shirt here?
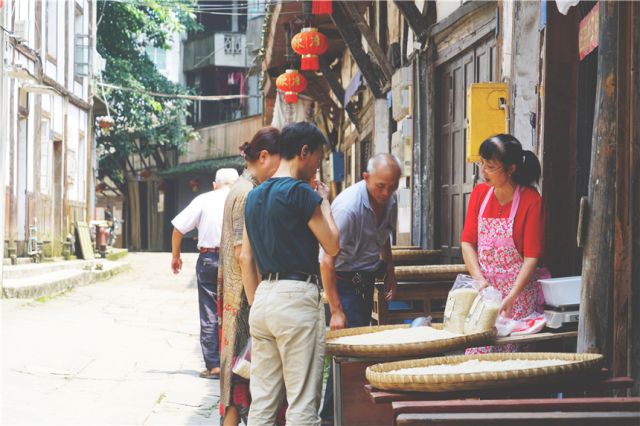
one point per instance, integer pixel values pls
(285, 219)
(366, 215)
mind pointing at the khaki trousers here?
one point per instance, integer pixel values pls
(288, 337)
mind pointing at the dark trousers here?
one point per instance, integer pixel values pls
(356, 297)
(207, 276)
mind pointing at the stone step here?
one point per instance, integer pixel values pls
(57, 281)
(44, 285)
(33, 269)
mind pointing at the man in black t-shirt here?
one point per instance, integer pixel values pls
(285, 219)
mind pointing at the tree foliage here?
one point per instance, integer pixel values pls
(144, 125)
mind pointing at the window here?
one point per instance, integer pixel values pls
(158, 56)
(81, 46)
(45, 158)
(52, 28)
(232, 44)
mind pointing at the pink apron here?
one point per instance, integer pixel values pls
(500, 263)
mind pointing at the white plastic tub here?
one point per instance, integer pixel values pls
(562, 291)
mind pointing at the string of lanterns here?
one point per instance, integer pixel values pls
(309, 43)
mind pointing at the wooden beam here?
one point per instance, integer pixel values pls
(332, 81)
(595, 329)
(370, 37)
(372, 73)
(337, 90)
(414, 17)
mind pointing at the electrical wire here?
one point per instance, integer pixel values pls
(176, 95)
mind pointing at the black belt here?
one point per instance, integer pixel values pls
(295, 276)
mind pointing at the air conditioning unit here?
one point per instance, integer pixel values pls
(402, 144)
(401, 93)
(21, 30)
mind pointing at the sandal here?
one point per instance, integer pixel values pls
(210, 374)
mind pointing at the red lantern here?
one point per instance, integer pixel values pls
(309, 43)
(291, 83)
(321, 7)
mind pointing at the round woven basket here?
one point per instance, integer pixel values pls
(431, 347)
(429, 272)
(413, 257)
(579, 364)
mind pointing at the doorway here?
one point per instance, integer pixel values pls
(455, 176)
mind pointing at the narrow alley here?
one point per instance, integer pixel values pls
(123, 351)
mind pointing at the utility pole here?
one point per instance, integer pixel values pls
(3, 142)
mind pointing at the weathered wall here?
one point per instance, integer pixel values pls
(525, 70)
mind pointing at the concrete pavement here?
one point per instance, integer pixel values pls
(121, 352)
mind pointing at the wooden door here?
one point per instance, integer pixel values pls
(456, 176)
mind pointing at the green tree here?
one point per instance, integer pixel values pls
(144, 125)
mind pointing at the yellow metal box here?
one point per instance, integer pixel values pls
(486, 114)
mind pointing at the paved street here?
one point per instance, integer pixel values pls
(121, 352)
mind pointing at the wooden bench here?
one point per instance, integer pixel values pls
(578, 411)
(594, 385)
(521, 419)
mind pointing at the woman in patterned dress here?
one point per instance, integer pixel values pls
(503, 236)
(262, 157)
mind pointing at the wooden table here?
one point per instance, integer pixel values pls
(352, 405)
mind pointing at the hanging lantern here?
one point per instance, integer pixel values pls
(321, 7)
(309, 43)
(194, 184)
(291, 83)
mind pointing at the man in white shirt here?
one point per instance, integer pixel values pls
(204, 213)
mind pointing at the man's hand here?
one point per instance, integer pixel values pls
(338, 320)
(390, 288)
(176, 264)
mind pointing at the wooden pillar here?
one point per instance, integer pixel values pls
(633, 162)
(595, 326)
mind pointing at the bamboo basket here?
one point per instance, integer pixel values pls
(412, 257)
(486, 380)
(394, 350)
(429, 272)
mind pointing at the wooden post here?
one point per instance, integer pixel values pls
(595, 327)
(634, 199)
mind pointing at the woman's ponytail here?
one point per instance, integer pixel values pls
(528, 172)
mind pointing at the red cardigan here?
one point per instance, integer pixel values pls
(528, 227)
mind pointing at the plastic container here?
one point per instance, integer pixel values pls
(561, 291)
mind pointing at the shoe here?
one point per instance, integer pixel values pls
(214, 373)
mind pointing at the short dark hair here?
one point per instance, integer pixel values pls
(267, 138)
(295, 135)
(508, 150)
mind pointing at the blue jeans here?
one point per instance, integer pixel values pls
(207, 276)
(357, 303)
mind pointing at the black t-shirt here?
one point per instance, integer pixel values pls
(276, 217)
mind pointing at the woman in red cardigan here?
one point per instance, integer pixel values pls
(503, 235)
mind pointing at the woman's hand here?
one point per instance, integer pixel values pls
(506, 309)
(322, 189)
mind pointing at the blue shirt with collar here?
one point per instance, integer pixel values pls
(361, 238)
